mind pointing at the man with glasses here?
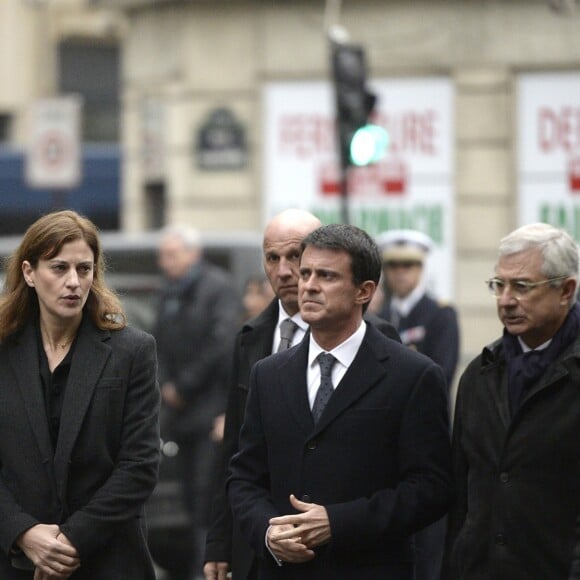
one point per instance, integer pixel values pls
(516, 435)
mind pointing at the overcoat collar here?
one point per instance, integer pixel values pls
(493, 368)
(90, 356)
(367, 368)
(257, 333)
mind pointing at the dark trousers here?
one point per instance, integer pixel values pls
(197, 470)
(429, 544)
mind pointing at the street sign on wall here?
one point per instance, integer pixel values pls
(152, 150)
(549, 150)
(53, 159)
(412, 187)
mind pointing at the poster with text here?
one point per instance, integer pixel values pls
(549, 150)
(410, 188)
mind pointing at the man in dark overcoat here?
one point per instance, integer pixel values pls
(516, 447)
(259, 337)
(339, 464)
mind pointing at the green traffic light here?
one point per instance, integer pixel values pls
(368, 145)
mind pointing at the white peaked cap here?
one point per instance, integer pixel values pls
(404, 245)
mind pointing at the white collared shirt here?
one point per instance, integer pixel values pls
(300, 331)
(404, 305)
(344, 354)
(526, 348)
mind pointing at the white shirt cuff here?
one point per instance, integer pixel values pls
(278, 561)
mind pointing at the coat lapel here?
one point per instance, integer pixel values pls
(24, 360)
(495, 376)
(292, 377)
(559, 369)
(256, 339)
(89, 359)
(367, 368)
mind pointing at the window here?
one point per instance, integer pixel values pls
(91, 70)
(5, 127)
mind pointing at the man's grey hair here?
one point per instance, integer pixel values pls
(190, 236)
(559, 250)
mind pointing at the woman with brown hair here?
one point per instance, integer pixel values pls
(79, 398)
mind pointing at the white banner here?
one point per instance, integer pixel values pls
(53, 159)
(412, 187)
(549, 150)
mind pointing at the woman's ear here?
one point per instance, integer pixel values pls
(28, 272)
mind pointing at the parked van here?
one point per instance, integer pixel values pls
(131, 260)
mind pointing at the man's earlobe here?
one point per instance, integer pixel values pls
(366, 291)
(569, 287)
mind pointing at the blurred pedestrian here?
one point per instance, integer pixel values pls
(196, 322)
(516, 447)
(79, 438)
(428, 326)
(257, 295)
(424, 323)
(338, 464)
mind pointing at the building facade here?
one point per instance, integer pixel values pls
(194, 104)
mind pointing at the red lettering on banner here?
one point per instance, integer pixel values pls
(574, 175)
(305, 136)
(559, 129)
(389, 177)
(329, 179)
(394, 178)
(411, 131)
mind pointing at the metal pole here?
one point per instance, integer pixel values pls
(344, 194)
(338, 34)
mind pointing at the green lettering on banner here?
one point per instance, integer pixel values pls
(327, 216)
(425, 218)
(563, 217)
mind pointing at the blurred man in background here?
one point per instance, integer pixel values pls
(196, 322)
(428, 326)
(257, 295)
(424, 323)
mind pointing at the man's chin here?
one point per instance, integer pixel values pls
(288, 295)
(515, 328)
(309, 314)
(290, 306)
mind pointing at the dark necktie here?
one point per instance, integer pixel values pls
(287, 329)
(326, 362)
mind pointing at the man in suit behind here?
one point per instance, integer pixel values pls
(336, 491)
(258, 338)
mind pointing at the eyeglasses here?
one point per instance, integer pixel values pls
(519, 289)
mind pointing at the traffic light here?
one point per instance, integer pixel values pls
(360, 143)
(368, 145)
